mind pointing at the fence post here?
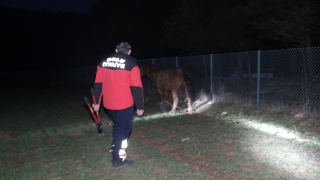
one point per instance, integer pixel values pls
(177, 62)
(258, 81)
(211, 76)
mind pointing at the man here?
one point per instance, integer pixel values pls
(118, 81)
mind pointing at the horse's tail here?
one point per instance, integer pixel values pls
(191, 90)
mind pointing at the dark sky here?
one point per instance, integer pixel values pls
(81, 6)
(37, 35)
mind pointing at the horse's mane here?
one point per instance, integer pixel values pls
(150, 66)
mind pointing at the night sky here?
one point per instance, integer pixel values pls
(80, 6)
(62, 34)
(23, 53)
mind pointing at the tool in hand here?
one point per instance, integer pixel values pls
(95, 116)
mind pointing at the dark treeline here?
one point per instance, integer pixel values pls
(55, 40)
(214, 26)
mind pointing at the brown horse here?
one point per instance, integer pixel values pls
(166, 80)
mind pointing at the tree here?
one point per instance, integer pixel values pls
(136, 21)
(190, 29)
(291, 22)
(207, 26)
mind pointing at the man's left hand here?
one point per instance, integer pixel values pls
(96, 107)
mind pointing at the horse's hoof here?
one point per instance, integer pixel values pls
(172, 112)
(163, 108)
(190, 111)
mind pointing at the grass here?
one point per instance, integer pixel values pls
(47, 133)
(292, 95)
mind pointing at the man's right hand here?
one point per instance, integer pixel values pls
(140, 112)
(96, 107)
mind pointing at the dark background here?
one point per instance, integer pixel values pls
(49, 35)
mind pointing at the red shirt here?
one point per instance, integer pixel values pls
(118, 83)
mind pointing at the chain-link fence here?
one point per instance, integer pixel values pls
(279, 80)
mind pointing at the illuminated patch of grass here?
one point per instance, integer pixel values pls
(51, 135)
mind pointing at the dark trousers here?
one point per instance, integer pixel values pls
(122, 126)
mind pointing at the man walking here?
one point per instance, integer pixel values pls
(118, 81)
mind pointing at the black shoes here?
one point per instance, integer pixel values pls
(99, 126)
(121, 163)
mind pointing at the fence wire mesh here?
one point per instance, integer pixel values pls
(279, 80)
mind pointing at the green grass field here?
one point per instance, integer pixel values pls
(48, 133)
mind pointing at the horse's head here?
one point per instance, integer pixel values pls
(143, 69)
(149, 70)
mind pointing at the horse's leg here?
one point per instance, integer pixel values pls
(188, 100)
(166, 102)
(161, 93)
(175, 100)
(166, 96)
(164, 99)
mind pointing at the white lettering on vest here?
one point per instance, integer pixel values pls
(114, 62)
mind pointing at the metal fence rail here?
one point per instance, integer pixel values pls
(280, 80)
